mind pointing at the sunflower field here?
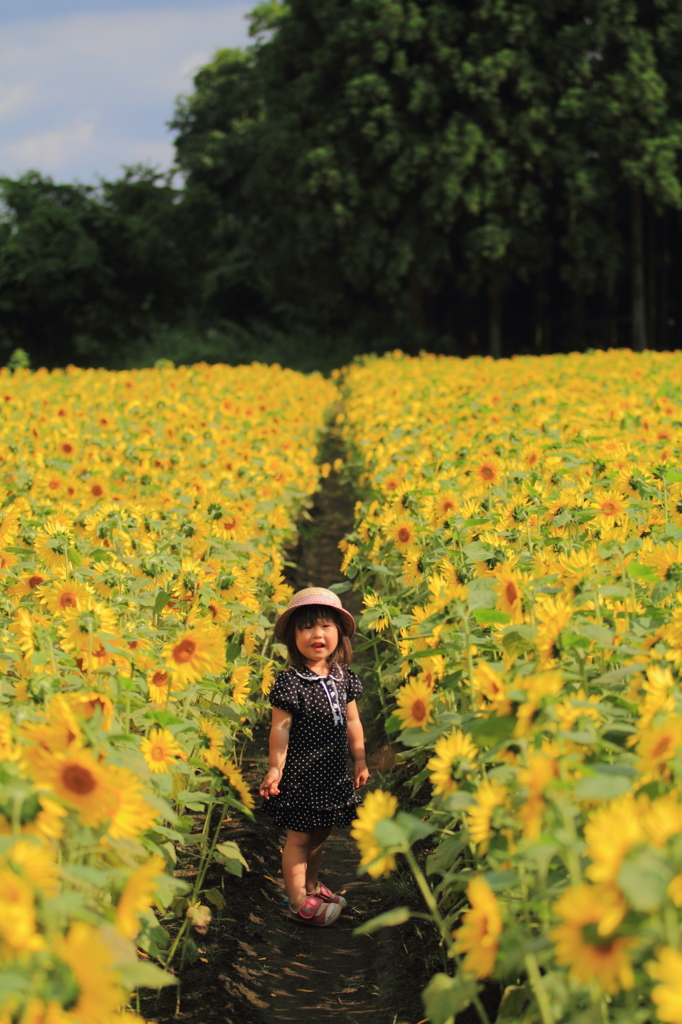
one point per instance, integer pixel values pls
(142, 521)
(518, 543)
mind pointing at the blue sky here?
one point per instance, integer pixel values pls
(87, 85)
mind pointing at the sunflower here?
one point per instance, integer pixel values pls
(584, 940)
(479, 934)
(667, 996)
(53, 541)
(267, 678)
(658, 745)
(445, 505)
(196, 653)
(75, 777)
(63, 595)
(488, 471)
(666, 559)
(161, 750)
(377, 806)
(611, 506)
(138, 896)
(610, 833)
(402, 533)
(87, 705)
(9, 525)
(233, 775)
(489, 795)
(350, 551)
(490, 685)
(18, 932)
(159, 686)
(90, 962)
(83, 628)
(509, 593)
(415, 701)
(37, 864)
(240, 682)
(28, 584)
(190, 578)
(454, 755)
(210, 738)
(553, 614)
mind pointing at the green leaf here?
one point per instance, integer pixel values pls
(663, 589)
(234, 861)
(234, 649)
(392, 724)
(444, 997)
(602, 787)
(673, 476)
(486, 732)
(391, 835)
(388, 920)
(477, 552)
(162, 599)
(641, 572)
(501, 880)
(643, 879)
(341, 588)
(143, 974)
(421, 737)
(485, 616)
(446, 854)
(216, 898)
(414, 827)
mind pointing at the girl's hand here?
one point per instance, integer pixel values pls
(270, 784)
(361, 773)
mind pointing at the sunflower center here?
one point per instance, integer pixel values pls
(674, 572)
(78, 779)
(35, 581)
(403, 535)
(510, 592)
(229, 523)
(159, 678)
(487, 472)
(158, 753)
(419, 710)
(97, 490)
(662, 747)
(184, 651)
(609, 508)
(68, 601)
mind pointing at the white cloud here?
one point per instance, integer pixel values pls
(84, 94)
(51, 150)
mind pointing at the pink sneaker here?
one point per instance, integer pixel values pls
(314, 910)
(328, 896)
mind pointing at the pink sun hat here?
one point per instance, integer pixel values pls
(314, 596)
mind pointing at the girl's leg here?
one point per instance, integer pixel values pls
(317, 838)
(295, 858)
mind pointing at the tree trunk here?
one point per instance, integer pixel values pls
(639, 338)
(495, 338)
(612, 314)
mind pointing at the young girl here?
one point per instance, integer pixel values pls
(315, 723)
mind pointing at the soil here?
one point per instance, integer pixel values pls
(257, 965)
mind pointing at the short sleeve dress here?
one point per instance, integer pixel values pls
(316, 788)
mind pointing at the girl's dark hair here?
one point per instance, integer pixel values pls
(304, 618)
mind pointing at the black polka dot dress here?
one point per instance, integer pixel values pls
(315, 788)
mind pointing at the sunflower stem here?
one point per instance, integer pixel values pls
(538, 987)
(470, 660)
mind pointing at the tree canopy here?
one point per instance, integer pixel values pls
(490, 175)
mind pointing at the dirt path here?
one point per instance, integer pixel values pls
(257, 965)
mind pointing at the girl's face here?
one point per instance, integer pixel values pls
(317, 642)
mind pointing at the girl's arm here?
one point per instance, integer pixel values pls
(356, 743)
(279, 742)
